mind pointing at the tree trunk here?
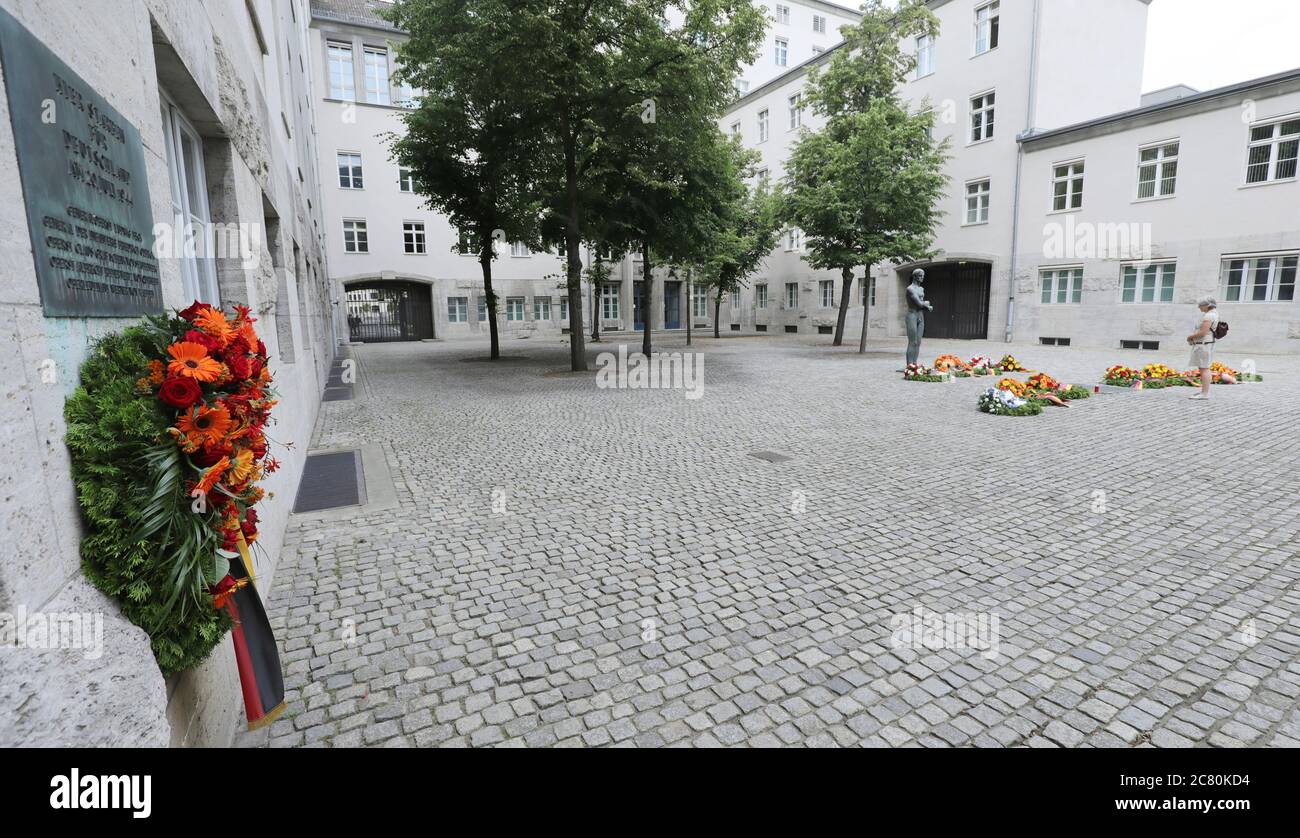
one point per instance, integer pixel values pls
(595, 300)
(717, 313)
(846, 289)
(577, 349)
(866, 283)
(690, 307)
(646, 294)
(485, 262)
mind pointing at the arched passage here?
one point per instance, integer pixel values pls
(388, 310)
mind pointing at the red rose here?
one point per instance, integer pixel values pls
(208, 456)
(193, 311)
(179, 391)
(251, 516)
(249, 530)
(240, 366)
(203, 339)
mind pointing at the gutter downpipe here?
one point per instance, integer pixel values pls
(1020, 161)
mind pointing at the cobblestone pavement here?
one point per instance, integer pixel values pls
(575, 566)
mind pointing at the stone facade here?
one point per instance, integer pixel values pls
(235, 71)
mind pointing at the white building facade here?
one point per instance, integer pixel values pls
(1050, 137)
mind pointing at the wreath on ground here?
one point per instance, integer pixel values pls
(167, 444)
(917, 372)
(1001, 402)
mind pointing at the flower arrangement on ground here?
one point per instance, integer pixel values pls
(1010, 364)
(1154, 371)
(949, 363)
(166, 432)
(1121, 376)
(918, 372)
(1014, 387)
(1000, 402)
(980, 365)
(1043, 382)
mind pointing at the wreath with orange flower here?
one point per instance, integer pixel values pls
(167, 432)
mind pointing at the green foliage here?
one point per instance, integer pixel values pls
(143, 545)
(1075, 392)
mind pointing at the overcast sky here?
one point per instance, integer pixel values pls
(1210, 43)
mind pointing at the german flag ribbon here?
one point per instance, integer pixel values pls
(256, 655)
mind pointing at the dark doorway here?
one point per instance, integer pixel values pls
(672, 305)
(960, 294)
(638, 311)
(382, 311)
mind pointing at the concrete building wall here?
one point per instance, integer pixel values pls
(233, 69)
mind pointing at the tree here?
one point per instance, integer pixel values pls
(864, 189)
(471, 143)
(746, 233)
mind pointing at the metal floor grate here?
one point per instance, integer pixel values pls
(769, 456)
(335, 388)
(330, 481)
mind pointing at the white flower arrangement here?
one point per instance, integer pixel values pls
(1004, 403)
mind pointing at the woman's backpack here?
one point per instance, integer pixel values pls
(1221, 330)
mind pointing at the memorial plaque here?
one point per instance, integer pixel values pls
(84, 187)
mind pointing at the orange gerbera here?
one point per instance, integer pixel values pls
(214, 322)
(191, 360)
(204, 424)
(242, 467)
(212, 475)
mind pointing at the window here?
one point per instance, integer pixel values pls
(796, 111)
(699, 301)
(457, 309)
(924, 56)
(760, 295)
(792, 295)
(564, 307)
(793, 239)
(1062, 285)
(377, 89)
(354, 236)
(189, 191)
(871, 291)
(986, 28)
(413, 236)
(519, 249)
(466, 243)
(742, 86)
(482, 309)
(735, 298)
(819, 24)
(1157, 170)
(541, 308)
(1259, 279)
(1148, 283)
(782, 52)
(977, 202)
(515, 309)
(405, 179)
(782, 14)
(827, 289)
(349, 170)
(1067, 186)
(609, 301)
(1273, 151)
(407, 96)
(342, 83)
(762, 125)
(762, 176)
(735, 129)
(981, 117)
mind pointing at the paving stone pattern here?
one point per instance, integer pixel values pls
(582, 567)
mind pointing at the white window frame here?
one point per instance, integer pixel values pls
(925, 56)
(764, 125)
(983, 106)
(1281, 265)
(1160, 167)
(826, 293)
(413, 239)
(793, 240)
(342, 81)
(609, 300)
(564, 306)
(465, 245)
(987, 28)
(190, 212)
(458, 309)
(1160, 278)
(1274, 145)
(796, 110)
(819, 24)
(782, 14)
(735, 129)
(1076, 171)
(381, 91)
(792, 295)
(405, 179)
(699, 300)
(519, 250)
(516, 308)
(734, 302)
(355, 169)
(482, 309)
(541, 308)
(1073, 290)
(760, 295)
(781, 52)
(360, 235)
(978, 201)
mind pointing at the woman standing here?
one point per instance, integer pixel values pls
(1202, 343)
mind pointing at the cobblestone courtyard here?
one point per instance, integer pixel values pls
(573, 566)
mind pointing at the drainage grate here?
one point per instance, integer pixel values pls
(336, 389)
(329, 481)
(769, 456)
